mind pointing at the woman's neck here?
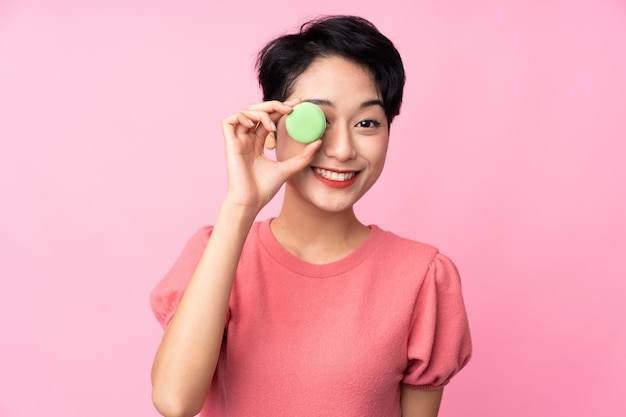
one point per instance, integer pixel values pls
(318, 236)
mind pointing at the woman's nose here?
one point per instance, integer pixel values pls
(337, 143)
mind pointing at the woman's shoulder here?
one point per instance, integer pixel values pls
(400, 246)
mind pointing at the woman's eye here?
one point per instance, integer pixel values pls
(368, 123)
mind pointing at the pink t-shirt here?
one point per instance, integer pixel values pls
(337, 339)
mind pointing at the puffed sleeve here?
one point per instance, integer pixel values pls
(167, 294)
(439, 342)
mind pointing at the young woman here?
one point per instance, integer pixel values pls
(310, 313)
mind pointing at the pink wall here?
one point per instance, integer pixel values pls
(508, 156)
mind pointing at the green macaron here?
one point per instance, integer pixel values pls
(306, 122)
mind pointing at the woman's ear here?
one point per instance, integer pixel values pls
(270, 141)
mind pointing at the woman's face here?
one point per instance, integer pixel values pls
(354, 145)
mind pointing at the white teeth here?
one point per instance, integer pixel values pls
(335, 176)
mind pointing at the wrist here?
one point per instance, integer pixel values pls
(237, 213)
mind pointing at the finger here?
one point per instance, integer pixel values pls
(292, 101)
(275, 105)
(230, 123)
(275, 108)
(298, 162)
(236, 126)
(243, 124)
(260, 118)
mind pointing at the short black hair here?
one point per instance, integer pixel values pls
(284, 59)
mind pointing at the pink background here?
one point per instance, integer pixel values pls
(508, 156)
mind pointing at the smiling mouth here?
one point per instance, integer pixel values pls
(335, 176)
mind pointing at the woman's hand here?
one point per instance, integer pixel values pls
(253, 178)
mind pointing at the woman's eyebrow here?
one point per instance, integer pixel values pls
(320, 102)
(328, 103)
(375, 102)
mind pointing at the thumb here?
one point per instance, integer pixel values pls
(298, 162)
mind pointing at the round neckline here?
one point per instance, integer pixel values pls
(291, 262)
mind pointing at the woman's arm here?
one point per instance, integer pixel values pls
(420, 403)
(187, 356)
